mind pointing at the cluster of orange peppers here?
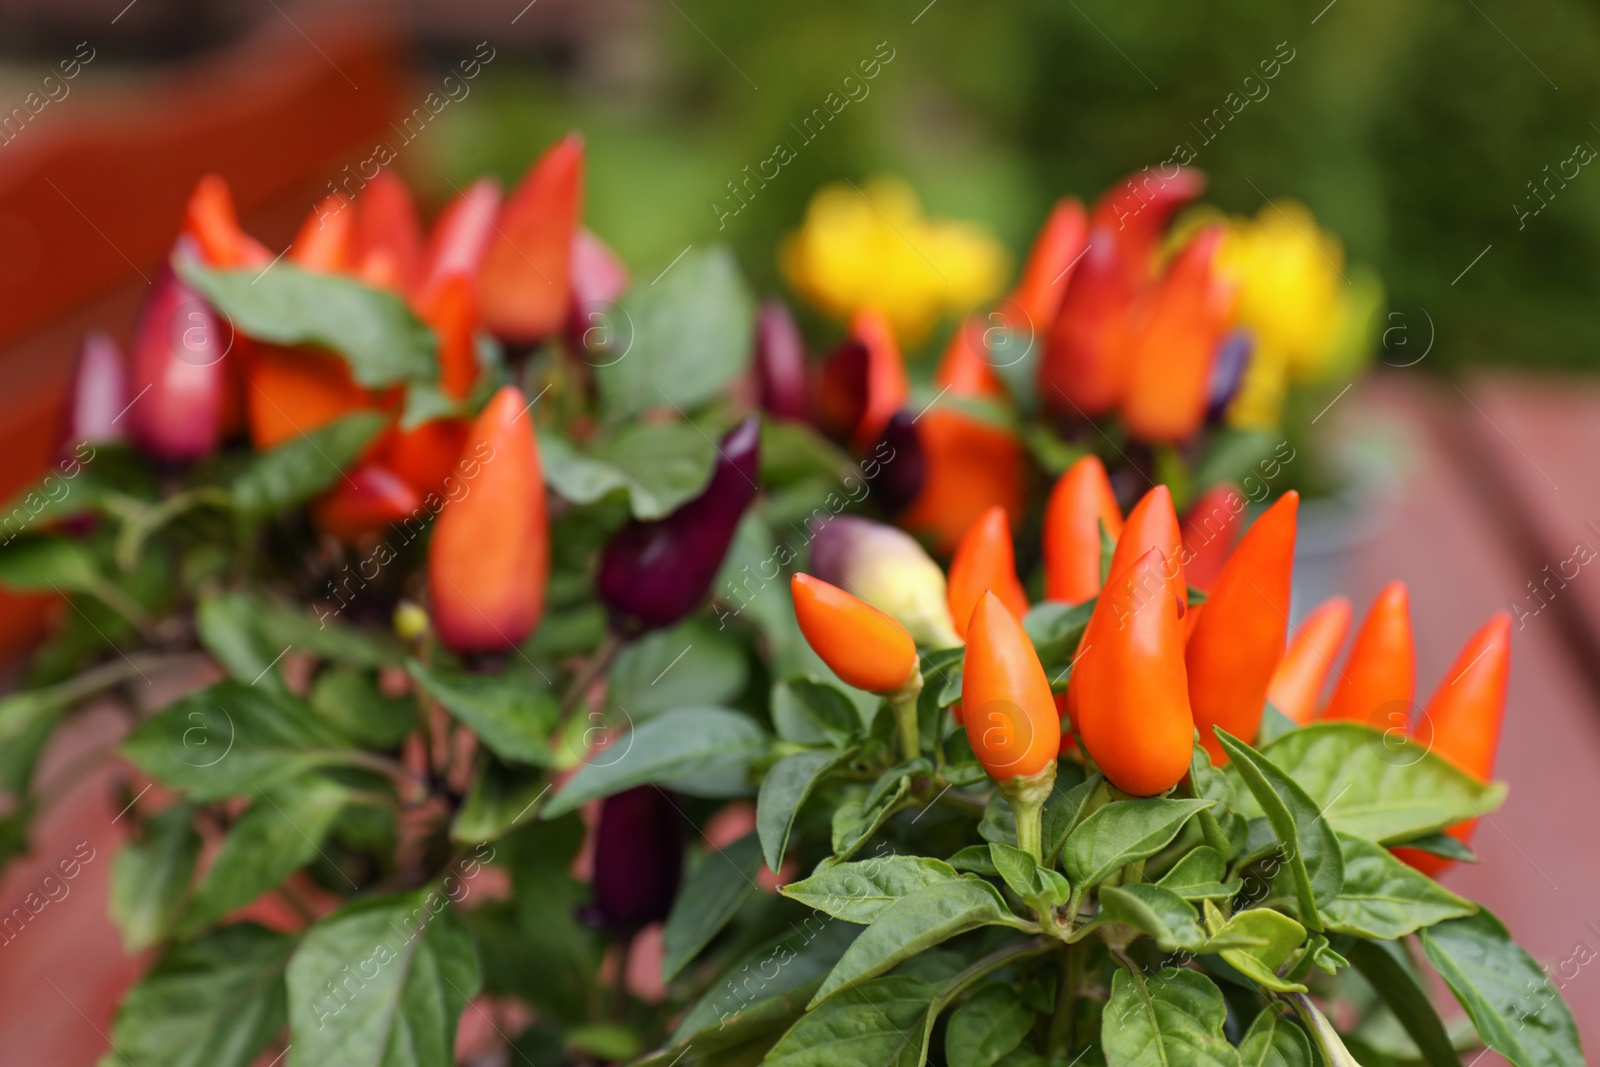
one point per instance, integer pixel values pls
(1151, 669)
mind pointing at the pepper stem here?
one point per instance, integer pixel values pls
(904, 703)
(1027, 795)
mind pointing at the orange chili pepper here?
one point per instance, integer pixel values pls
(1011, 718)
(210, 219)
(985, 562)
(452, 310)
(1297, 684)
(866, 648)
(489, 557)
(363, 503)
(968, 466)
(425, 456)
(387, 242)
(1238, 642)
(1380, 676)
(295, 390)
(1080, 503)
(525, 281)
(325, 242)
(1048, 271)
(887, 388)
(1153, 524)
(459, 238)
(1209, 531)
(1129, 689)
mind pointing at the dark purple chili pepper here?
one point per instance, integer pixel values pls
(780, 362)
(98, 395)
(840, 397)
(638, 859)
(654, 573)
(177, 380)
(1227, 371)
(896, 465)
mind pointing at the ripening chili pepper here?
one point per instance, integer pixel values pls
(1153, 524)
(425, 456)
(638, 859)
(1238, 642)
(452, 310)
(490, 553)
(292, 391)
(887, 388)
(1297, 684)
(1463, 718)
(459, 238)
(1080, 503)
(654, 573)
(897, 467)
(598, 280)
(97, 396)
(1378, 680)
(969, 465)
(865, 647)
(1010, 712)
(1048, 271)
(387, 249)
(525, 282)
(889, 570)
(325, 242)
(1171, 347)
(1209, 530)
(364, 502)
(985, 562)
(780, 360)
(1082, 372)
(210, 221)
(1137, 210)
(177, 375)
(1129, 689)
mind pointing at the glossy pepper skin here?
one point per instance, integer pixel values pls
(1297, 684)
(1080, 503)
(888, 569)
(1238, 642)
(1209, 530)
(97, 396)
(1153, 524)
(524, 283)
(902, 465)
(780, 362)
(652, 574)
(638, 859)
(177, 373)
(1378, 681)
(364, 503)
(489, 557)
(969, 466)
(1009, 712)
(865, 647)
(1130, 690)
(985, 562)
(1048, 271)
(1463, 718)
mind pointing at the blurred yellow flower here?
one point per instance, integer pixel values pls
(874, 247)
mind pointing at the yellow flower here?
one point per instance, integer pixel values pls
(873, 247)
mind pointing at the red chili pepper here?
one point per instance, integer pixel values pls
(1378, 681)
(363, 503)
(887, 388)
(295, 390)
(1137, 210)
(780, 362)
(1209, 531)
(452, 310)
(968, 466)
(178, 374)
(1463, 719)
(1297, 684)
(1084, 368)
(1010, 714)
(325, 242)
(459, 238)
(1129, 688)
(388, 235)
(1153, 524)
(985, 562)
(525, 281)
(1048, 271)
(1080, 503)
(1170, 349)
(210, 221)
(865, 647)
(490, 553)
(1238, 642)
(426, 456)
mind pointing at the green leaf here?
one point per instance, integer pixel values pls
(811, 712)
(694, 749)
(509, 716)
(1122, 832)
(1278, 935)
(232, 739)
(660, 466)
(784, 791)
(228, 628)
(1309, 842)
(289, 625)
(859, 892)
(378, 336)
(215, 1002)
(1505, 992)
(351, 702)
(691, 336)
(1444, 846)
(1274, 1040)
(150, 878)
(280, 833)
(1016, 867)
(1376, 786)
(874, 1024)
(692, 663)
(1178, 1023)
(1063, 809)
(916, 922)
(711, 895)
(49, 564)
(1386, 899)
(1388, 970)
(1197, 876)
(855, 822)
(381, 983)
(500, 799)
(1055, 630)
(992, 1022)
(1161, 913)
(302, 467)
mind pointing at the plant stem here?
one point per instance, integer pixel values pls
(903, 702)
(1323, 1035)
(585, 678)
(1027, 795)
(1066, 994)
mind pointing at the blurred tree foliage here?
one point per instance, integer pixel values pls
(1413, 130)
